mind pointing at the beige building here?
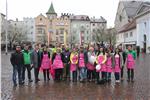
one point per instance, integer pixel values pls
(41, 29)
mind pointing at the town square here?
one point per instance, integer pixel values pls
(75, 51)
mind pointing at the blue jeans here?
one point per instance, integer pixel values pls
(117, 75)
(83, 73)
(17, 69)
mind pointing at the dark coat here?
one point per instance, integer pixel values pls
(17, 58)
(36, 59)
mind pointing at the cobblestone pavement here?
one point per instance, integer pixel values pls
(139, 90)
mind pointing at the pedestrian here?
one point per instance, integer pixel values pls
(82, 65)
(130, 63)
(66, 61)
(117, 64)
(101, 60)
(123, 54)
(109, 64)
(45, 64)
(58, 64)
(90, 64)
(36, 61)
(73, 65)
(17, 62)
(27, 63)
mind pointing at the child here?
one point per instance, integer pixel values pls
(117, 63)
(90, 64)
(101, 59)
(45, 65)
(109, 65)
(73, 65)
(82, 63)
(58, 64)
(130, 61)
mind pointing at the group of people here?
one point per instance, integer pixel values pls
(84, 64)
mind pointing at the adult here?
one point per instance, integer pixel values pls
(27, 63)
(36, 61)
(17, 62)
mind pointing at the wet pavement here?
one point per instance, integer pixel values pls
(139, 90)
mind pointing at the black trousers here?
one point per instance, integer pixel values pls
(58, 74)
(36, 73)
(28, 67)
(104, 75)
(46, 73)
(122, 71)
(97, 77)
(130, 74)
(66, 70)
(74, 74)
(90, 74)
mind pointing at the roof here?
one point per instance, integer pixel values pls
(51, 9)
(129, 26)
(100, 20)
(143, 9)
(131, 7)
(80, 17)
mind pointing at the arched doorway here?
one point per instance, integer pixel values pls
(144, 43)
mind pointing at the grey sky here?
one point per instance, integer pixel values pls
(32, 8)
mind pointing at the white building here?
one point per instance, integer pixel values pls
(80, 29)
(137, 31)
(143, 26)
(2, 27)
(97, 24)
(126, 12)
(29, 28)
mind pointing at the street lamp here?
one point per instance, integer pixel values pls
(6, 29)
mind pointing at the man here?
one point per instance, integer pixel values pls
(27, 63)
(17, 62)
(66, 61)
(36, 62)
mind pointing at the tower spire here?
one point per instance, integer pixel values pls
(51, 9)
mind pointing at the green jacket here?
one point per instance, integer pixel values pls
(27, 57)
(132, 52)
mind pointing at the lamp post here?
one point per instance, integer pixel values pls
(6, 30)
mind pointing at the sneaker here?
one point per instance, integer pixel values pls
(30, 80)
(15, 85)
(117, 81)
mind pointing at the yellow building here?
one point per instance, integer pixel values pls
(53, 29)
(41, 29)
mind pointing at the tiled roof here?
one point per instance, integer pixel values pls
(131, 7)
(100, 20)
(128, 26)
(80, 17)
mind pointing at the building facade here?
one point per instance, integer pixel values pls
(29, 29)
(80, 29)
(96, 25)
(41, 29)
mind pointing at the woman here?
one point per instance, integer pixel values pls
(117, 64)
(73, 65)
(101, 60)
(45, 65)
(58, 64)
(90, 64)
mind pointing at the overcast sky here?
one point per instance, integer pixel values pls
(32, 8)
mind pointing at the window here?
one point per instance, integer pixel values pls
(56, 38)
(40, 19)
(93, 24)
(120, 18)
(131, 34)
(61, 31)
(145, 24)
(126, 35)
(93, 30)
(87, 32)
(57, 32)
(87, 38)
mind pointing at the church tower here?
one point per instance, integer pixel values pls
(51, 14)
